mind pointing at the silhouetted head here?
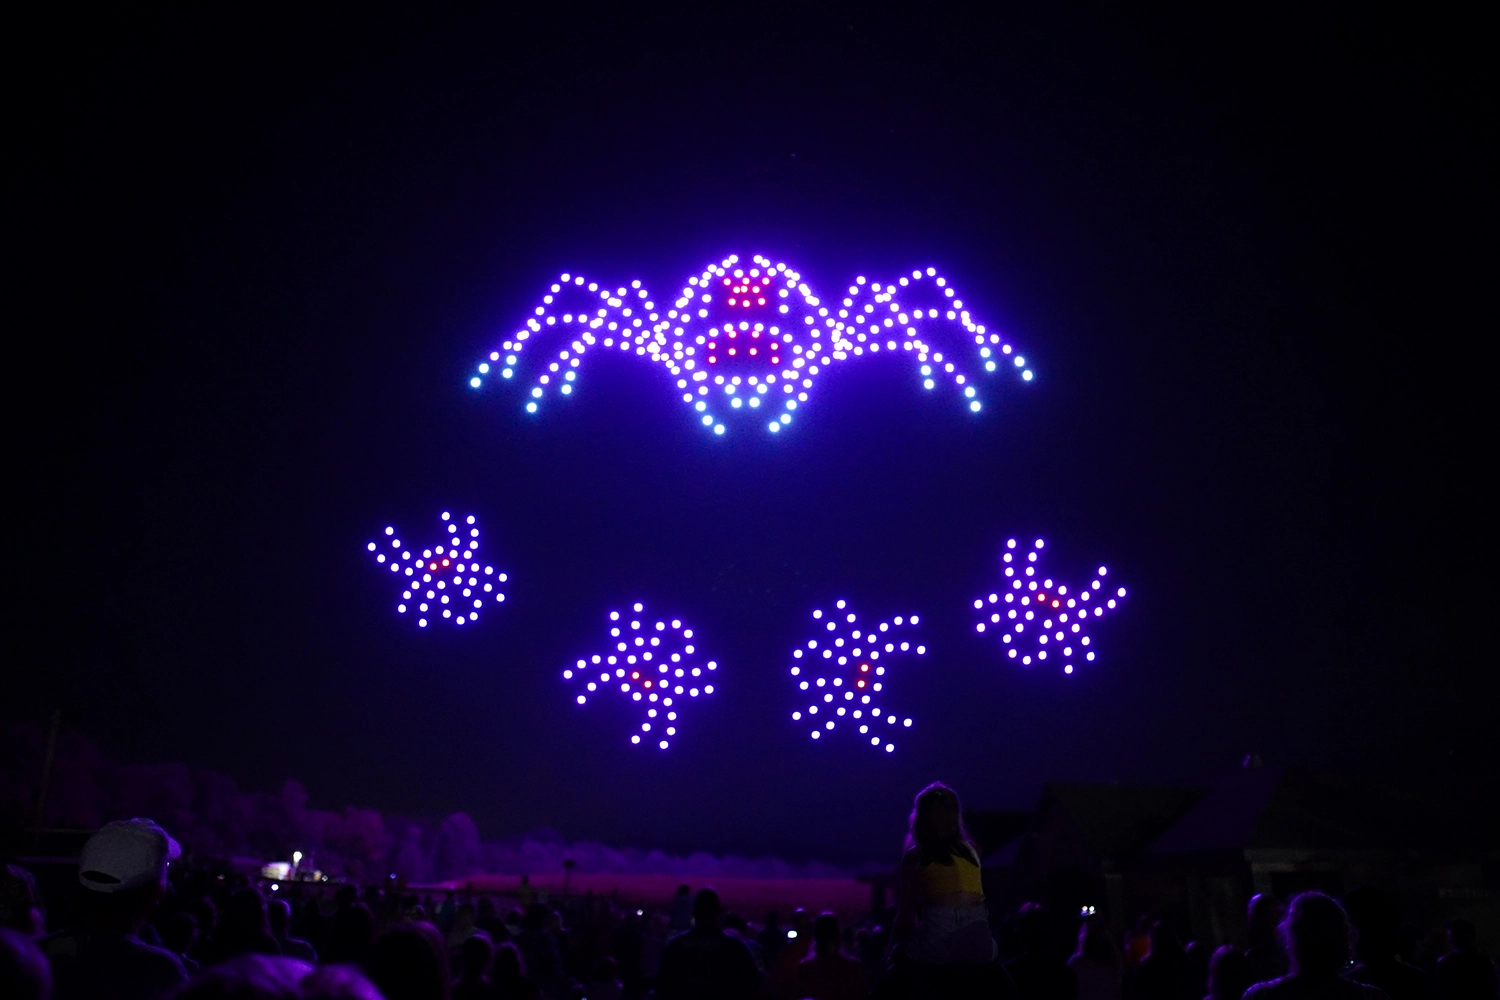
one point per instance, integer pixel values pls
(936, 826)
(279, 916)
(1228, 973)
(1096, 944)
(1315, 935)
(474, 956)
(707, 910)
(1264, 917)
(771, 920)
(179, 932)
(1462, 936)
(349, 938)
(826, 933)
(535, 918)
(410, 962)
(508, 966)
(683, 890)
(24, 973)
(1034, 929)
(244, 915)
(20, 902)
(1163, 939)
(799, 921)
(1376, 921)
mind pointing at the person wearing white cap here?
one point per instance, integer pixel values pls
(123, 870)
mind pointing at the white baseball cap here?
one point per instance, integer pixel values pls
(125, 854)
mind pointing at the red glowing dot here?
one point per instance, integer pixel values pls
(635, 675)
(864, 667)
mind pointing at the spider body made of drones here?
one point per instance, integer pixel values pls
(751, 341)
(656, 665)
(1036, 616)
(843, 674)
(443, 581)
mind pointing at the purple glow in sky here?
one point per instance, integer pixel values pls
(750, 340)
(652, 661)
(841, 674)
(444, 581)
(1040, 619)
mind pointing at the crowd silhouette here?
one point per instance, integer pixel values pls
(145, 928)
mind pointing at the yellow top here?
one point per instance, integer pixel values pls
(937, 880)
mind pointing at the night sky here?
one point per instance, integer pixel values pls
(253, 261)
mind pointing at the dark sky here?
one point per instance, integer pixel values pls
(251, 262)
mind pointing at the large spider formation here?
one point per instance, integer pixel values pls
(1036, 617)
(843, 674)
(442, 581)
(655, 664)
(750, 340)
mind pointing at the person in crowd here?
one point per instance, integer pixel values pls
(123, 872)
(605, 983)
(487, 918)
(464, 926)
(704, 962)
(941, 918)
(1165, 973)
(736, 925)
(1265, 955)
(20, 903)
(1036, 970)
(1315, 937)
(1228, 974)
(474, 956)
(23, 969)
(940, 942)
(1464, 973)
(771, 937)
(1377, 927)
(797, 946)
(539, 948)
(682, 910)
(409, 962)
(350, 934)
(244, 929)
(179, 935)
(1199, 957)
(829, 974)
(206, 914)
(508, 975)
(279, 916)
(1097, 967)
(267, 977)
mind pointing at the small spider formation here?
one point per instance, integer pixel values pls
(846, 671)
(653, 664)
(426, 577)
(753, 339)
(1039, 616)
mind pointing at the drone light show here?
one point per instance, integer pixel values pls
(1041, 619)
(445, 581)
(652, 662)
(749, 342)
(842, 674)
